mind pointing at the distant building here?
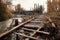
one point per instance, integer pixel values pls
(53, 5)
(35, 6)
(38, 8)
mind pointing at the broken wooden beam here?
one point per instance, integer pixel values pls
(14, 28)
(31, 25)
(39, 22)
(36, 25)
(53, 25)
(36, 31)
(26, 36)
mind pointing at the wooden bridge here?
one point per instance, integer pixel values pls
(30, 29)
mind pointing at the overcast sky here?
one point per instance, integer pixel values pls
(29, 4)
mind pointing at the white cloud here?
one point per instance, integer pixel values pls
(27, 4)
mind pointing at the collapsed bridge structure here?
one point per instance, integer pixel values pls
(36, 28)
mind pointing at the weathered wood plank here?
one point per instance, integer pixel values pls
(9, 31)
(39, 22)
(26, 36)
(36, 31)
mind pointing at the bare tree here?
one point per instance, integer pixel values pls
(18, 8)
(5, 13)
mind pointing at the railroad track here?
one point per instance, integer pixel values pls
(29, 29)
